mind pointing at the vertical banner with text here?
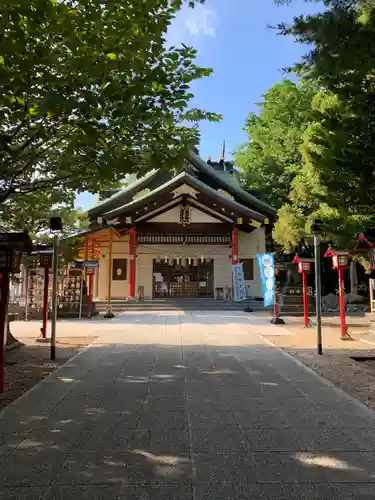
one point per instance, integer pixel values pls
(267, 274)
(239, 287)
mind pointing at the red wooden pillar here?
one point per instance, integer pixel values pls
(234, 253)
(132, 256)
(235, 246)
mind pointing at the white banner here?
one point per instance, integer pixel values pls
(239, 287)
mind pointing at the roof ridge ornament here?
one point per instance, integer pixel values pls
(222, 153)
(185, 189)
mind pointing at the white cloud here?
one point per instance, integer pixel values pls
(192, 24)
(201, 21)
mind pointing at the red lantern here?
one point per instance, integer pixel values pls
(340, 259)
(304, 267)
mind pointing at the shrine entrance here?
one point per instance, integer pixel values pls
(183, 278)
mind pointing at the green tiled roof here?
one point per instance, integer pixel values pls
(216, 178)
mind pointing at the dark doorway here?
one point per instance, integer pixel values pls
(175, 279)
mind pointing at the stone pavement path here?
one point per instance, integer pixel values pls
(186, 406)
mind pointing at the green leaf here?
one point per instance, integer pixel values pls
(34, 110)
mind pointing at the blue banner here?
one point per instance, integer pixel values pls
(267, 275)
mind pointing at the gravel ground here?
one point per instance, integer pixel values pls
(30, 363)
(336, 364)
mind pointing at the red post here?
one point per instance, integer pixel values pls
(234, 253)
(305, 300)
(43, 330)
(235, 246)
(4, 296)
(132, 254)
(89, 297)
(342, 302)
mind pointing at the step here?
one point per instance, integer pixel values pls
(184, 304)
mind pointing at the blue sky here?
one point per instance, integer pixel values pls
(247, 57)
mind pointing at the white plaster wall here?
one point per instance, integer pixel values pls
(199, 217)
(119, 289)
(172, 215)
(196, 216)
(249, 245)
(103, 275)
(143, 273)
(223, 271)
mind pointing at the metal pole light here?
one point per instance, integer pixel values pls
(318, 295)
(55, 268)
(43, 330)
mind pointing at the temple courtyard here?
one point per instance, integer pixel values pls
(185, 406)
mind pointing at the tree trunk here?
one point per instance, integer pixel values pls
(353, 278)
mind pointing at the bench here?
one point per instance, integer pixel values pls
(223, 293)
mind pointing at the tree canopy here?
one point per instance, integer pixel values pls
(89, 92)
(271, 158)
(32, 213)
(336, 179)
(337, 182)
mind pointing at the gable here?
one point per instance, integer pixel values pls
(196, 216)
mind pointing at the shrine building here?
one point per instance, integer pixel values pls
(177, 234)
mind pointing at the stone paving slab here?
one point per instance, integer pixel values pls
(192, 406)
